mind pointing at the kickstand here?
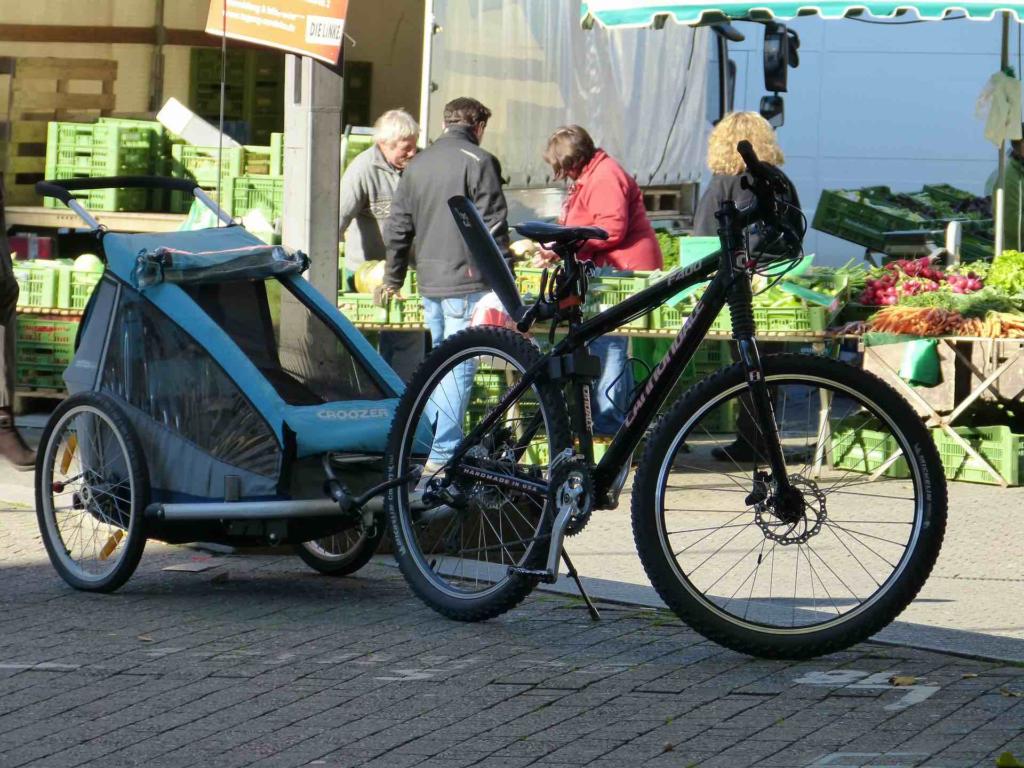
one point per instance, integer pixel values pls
(579, 584)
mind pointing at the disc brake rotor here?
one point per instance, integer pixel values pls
(800, 530)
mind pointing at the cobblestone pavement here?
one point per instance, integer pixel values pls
(255, 660)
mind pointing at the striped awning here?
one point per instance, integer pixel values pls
(646, 13)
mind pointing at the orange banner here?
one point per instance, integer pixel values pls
(307, 27)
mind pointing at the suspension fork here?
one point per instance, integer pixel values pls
(740, 298)
(741, 309)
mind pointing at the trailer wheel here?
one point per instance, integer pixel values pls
(91, 490)
(343, 553)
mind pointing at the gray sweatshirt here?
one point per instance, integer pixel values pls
(367, 187)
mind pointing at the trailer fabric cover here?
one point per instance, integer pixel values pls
(194, 421)
(641, 93)
(251, 262)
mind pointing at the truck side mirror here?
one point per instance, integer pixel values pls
(773, 109)
(781, 46)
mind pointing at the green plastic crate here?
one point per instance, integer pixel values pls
(38, 283)
(488, 385)
(106, 148)
(360, 308)
(807, 319)
(50, 331)
(207, 65)
(528, 281)
(672, 318)
(693, 249)
(862, 217)
(200, 163)
(352, 145)
(859, 444)
(947, 193)
(39, 376)
(82, 284)
(406, 312)
(264, 193)
(997, 445)
(606, 291)
(33, 355)
(103, 199)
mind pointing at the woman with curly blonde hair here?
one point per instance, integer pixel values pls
(728, 167)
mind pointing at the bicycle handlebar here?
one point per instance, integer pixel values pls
(769, 189)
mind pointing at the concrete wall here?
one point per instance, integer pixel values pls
(879, 105)
(387, 33)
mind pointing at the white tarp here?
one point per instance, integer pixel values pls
(640, 92)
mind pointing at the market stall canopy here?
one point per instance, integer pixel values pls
(647, 13)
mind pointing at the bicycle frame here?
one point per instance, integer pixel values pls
(659, 384)
(666, 374)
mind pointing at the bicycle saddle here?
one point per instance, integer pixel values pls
(553, 233)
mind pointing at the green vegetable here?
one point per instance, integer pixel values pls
(975, 304)
(1007, 272)
(669, 245)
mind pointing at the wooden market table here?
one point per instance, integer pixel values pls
(36, 216)
(1008, 354)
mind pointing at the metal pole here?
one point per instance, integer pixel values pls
(156, 85)
(312, 176)
(426, 86)
(999, 191)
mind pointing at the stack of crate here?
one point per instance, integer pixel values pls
(250, 178)
(253, 90)
(41, 90)
(45, 347)
(106, 148)
(49, 284)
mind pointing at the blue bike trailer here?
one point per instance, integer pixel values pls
(229, 364)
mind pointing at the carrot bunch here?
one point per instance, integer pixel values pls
(934, 321)
(916, 321)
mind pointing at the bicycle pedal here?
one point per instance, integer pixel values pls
(541, 574)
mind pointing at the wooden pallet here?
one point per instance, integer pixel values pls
(44, 89)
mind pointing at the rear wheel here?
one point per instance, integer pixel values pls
(91, 490)
(455, 551)
(790, 580)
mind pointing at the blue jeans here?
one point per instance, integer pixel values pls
(448, 403)
(611, 392)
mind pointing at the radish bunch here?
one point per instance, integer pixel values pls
(911, 277)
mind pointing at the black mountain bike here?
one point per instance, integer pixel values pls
(811, 539)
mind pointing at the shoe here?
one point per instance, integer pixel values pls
(12, 447)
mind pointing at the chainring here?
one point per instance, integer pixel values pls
(571, 484)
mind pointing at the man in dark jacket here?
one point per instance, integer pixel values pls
(449, 282)
(453, 165)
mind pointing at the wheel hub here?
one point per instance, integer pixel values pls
(794, 518)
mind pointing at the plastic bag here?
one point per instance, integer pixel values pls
(490, 311)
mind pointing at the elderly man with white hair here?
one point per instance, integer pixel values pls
(367, 187)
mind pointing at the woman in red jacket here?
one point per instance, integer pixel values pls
(602, 194)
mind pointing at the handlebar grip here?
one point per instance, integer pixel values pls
(754, 165)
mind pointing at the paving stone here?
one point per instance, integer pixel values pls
(278, 668)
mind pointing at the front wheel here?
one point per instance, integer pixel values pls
(807, 576)
(91, 490)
